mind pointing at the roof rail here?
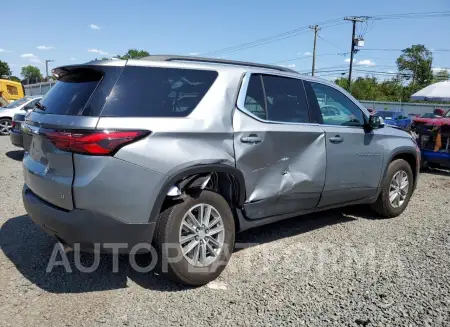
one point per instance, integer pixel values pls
(215, 61)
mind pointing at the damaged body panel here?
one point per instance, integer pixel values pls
(285, 171)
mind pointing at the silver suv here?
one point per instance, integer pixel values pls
(183, 152)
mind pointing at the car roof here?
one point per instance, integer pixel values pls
(173, 61)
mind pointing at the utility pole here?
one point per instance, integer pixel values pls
(316, 29)
(46, 68)
(354, 20)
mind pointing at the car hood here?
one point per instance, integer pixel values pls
(433, 121)
(395, 131)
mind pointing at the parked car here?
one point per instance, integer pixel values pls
(429, 115)
(399, 119)
(7, 113)
(437, 120)
(112, 159)
(16, 134)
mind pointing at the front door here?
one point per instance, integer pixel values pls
(281, 154)
(354, 155)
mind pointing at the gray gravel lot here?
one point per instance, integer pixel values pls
(333, 268)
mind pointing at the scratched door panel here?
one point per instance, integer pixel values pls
(285, 171)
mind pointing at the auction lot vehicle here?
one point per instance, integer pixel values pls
(184, 152)
(7, 113)
(395, 118)
(433, 136)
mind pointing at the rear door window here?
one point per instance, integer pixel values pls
(277, 98)
(158, 92)
(286, 99)
(71, 93)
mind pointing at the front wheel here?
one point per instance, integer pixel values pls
(396, 190)
(195, 238)
(5, 126)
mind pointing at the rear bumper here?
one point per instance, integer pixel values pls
(89, 229)
(16, 138)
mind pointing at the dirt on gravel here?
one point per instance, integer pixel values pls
(335, 268)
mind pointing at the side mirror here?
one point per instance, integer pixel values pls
(376, 122)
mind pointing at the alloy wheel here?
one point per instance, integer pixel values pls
(201, 235)
(398, 189)
(5, 127)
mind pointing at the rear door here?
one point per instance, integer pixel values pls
(74, 103)
(279, 147)
(354, 156)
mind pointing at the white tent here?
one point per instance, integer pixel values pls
(435, 92)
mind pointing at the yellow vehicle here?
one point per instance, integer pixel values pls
(10, 91)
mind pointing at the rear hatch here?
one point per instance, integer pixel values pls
(70, 109)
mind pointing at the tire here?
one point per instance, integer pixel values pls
(5, 126)
(167, 240)
(383, 205)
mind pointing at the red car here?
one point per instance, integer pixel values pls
(436, 121)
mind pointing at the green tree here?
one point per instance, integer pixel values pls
(31, 74)
(14, 78)
(342, 82)
(416, 61)
(4, 69)
(134, 54)
(441, 75)
(365, 88)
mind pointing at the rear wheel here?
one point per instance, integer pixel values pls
(5, 126)
(195, 238)
(396, 190)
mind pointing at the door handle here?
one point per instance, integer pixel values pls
(252, 138)
(336, 139)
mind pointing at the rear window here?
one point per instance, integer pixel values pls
(71, 93)
(158, 92)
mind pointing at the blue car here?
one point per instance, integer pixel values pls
(395, 118)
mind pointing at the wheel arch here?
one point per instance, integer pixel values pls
(410, 156)
(195, 177)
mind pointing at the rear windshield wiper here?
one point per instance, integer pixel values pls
(40, 106)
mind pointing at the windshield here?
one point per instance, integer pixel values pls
(18, 103)
(447, 115)
(385, 114)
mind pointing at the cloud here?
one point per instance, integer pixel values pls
(365, 62)
(98, 51)
(289, 65)
(44, 47)
(194, 53)
(307, 54)
(348, 60)
(72, 58)
(3, 50)
(94, 27)
(27, 55)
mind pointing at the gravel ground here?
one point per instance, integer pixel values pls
(333, 268)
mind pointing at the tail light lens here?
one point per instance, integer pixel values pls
(101, 143)
(13, 124)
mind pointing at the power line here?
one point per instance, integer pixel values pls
(334, 45)
(381, 49)
(326, 24)
(307, 57)
(273, 38)
(431, 14)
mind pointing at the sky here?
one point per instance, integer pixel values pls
(71, 32)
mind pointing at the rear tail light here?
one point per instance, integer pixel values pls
(13, 124)
(100, 143)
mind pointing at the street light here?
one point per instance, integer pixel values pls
(46, 67)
